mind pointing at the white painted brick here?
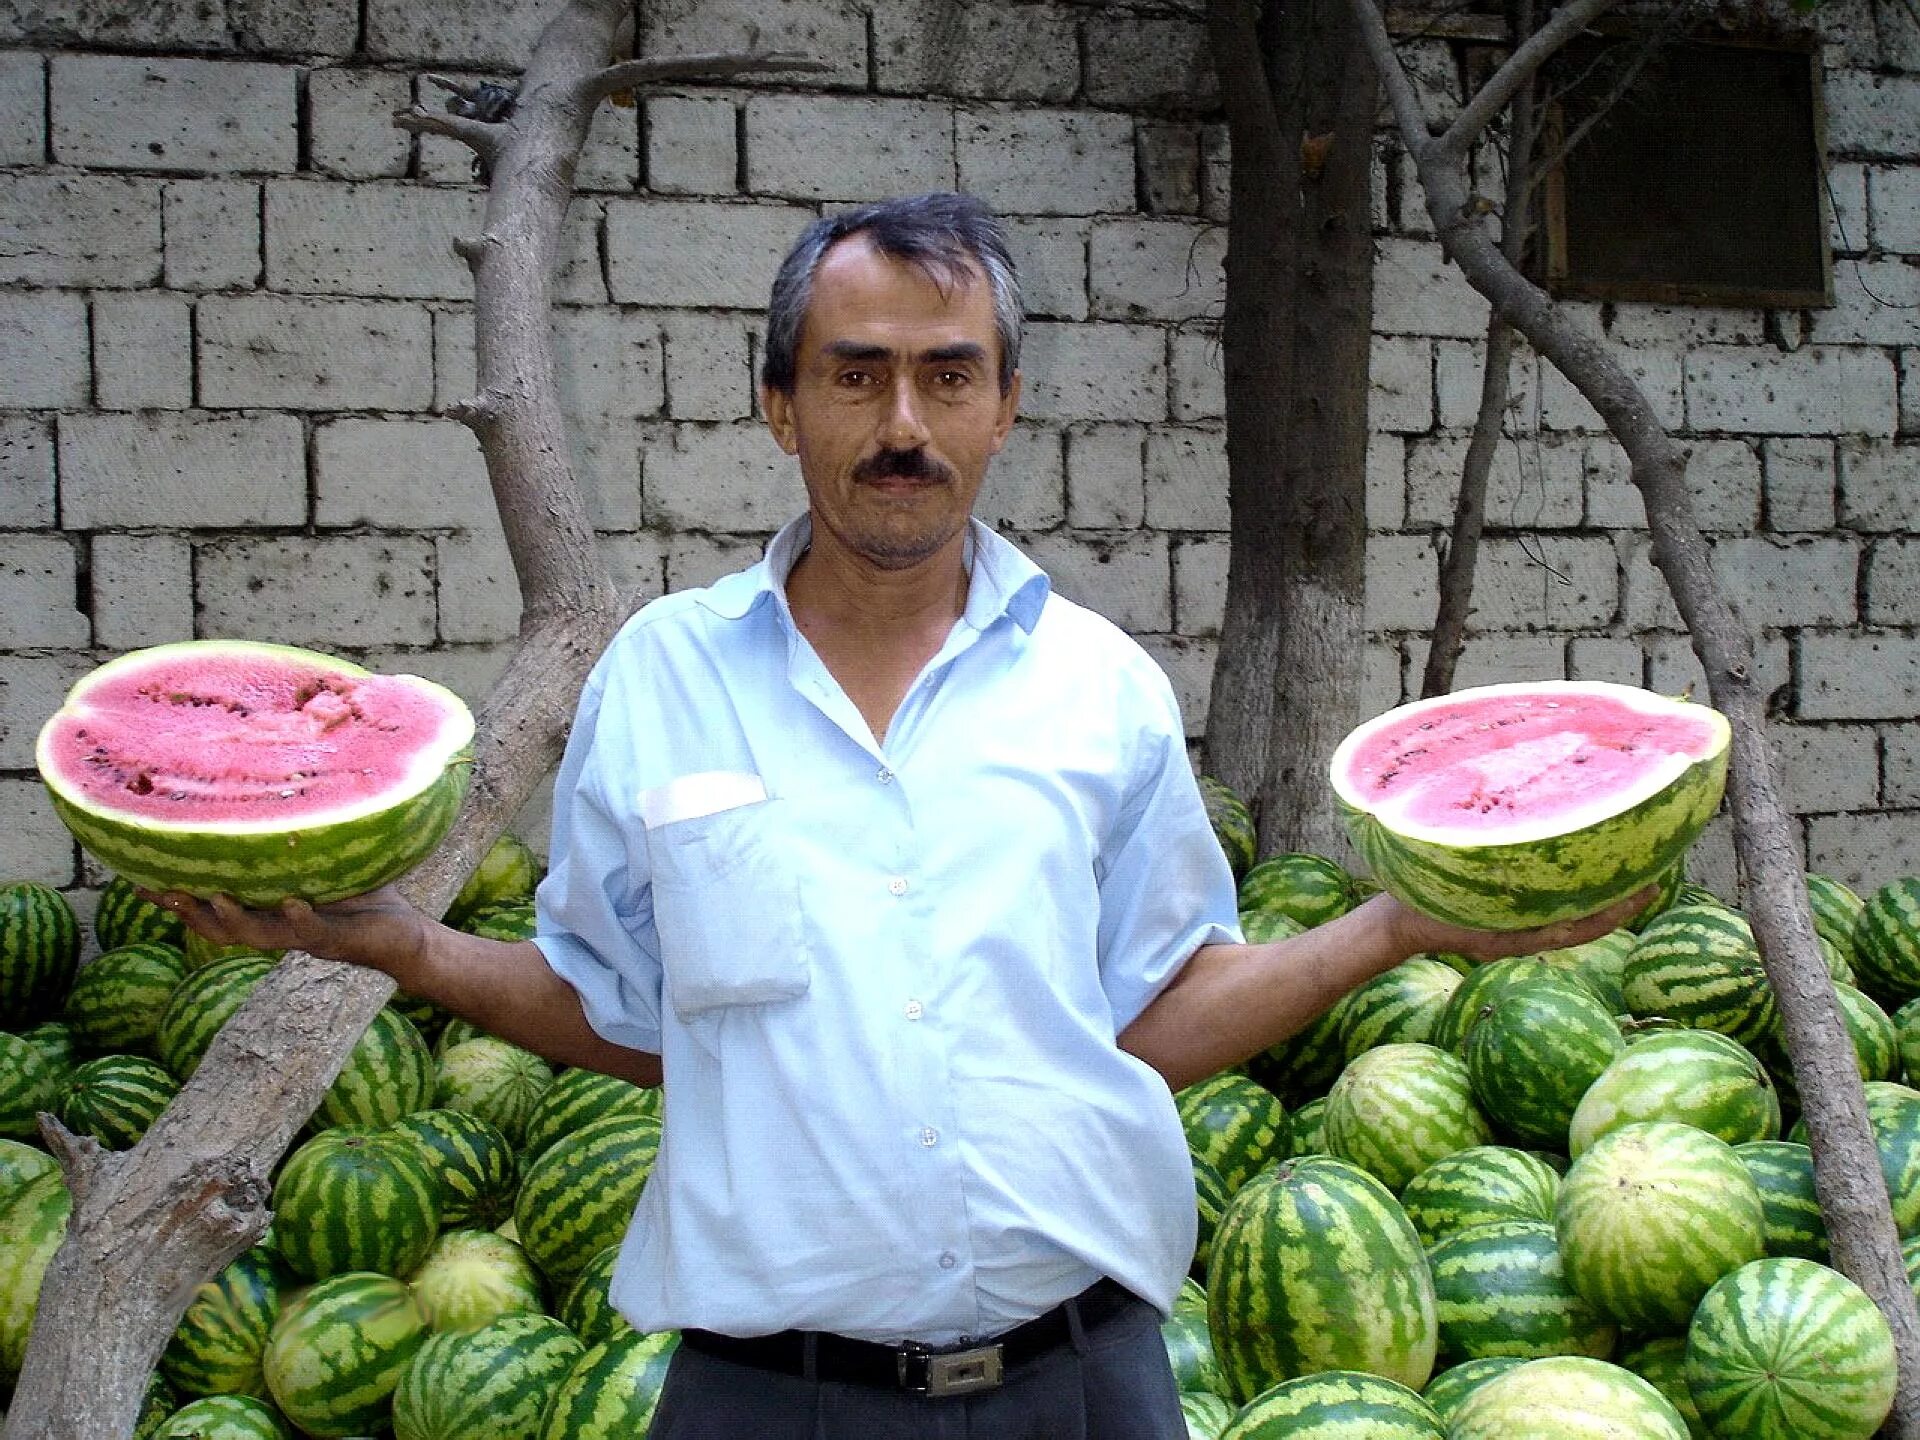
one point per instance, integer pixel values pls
(692, 145)
(1386, 482)
(38, 574)
(1811, 391)
(1909, 392)
(1851, 229)
(1723, 478)
(1050, 257)
(213, 234)
(1200, 583)
(453, 375)
(1025, 488)
(580, 276)
(1531, 484)
(1095, 372)
(1216, 173)
(1643, 325)
(606, 464)
(169, 470)
(32, 688)
(479, 595)
(34, 845)
(1873, 304)
(1865, 851)
(142, 351)
(1710, 859)
(1186, 475)
(1126, 577)
(1799, 484)
(142, 590)
(1418, 291)
(1549, 582)
(1858, 677)
(315, 354)
(1460, 373)
(1774, 582)
(1497, 660)
(385, 240)
(187, 24)
(1143, 62)
(1899, 37)
(684, 253)
(1873, 116)
(833, 31)
(1168, 155)
(805, 147)
(1879, 485)
(1605, 657)
(400, 475)
(26, 472)
(1400, 374)
(1655, 372)
(43, 351)
(708, 365)
(23, 110)
(985, 51)
(449, 32)
(94, 230)
(1382, 686)
(470, 671)
(638, 564)
(1900, 764)
(608, 363)
(1403, 582)
(1198, 384)
(328, 27)
(1106, 477)
(1613, 500)
(318, 591)
(1645, 601)
(719, 477)
(1825, 767)
(1188, 665)
(128, 112)
(1047, 162)
(1435, 73)
(1893, 583)
(695, 560)
(351, 134)
(1894, 204)
(1157, 270)
(1410, 215)
(610, 158)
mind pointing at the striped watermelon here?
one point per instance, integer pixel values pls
(1398, 1108)
(1566, 1397)
(338, 1351)
(355, 1200)
(39, 952)
(388, 1074)
(510, 920)
(202, 952)
(1336, 1405)
(1698, 964)
(1206, 1415)
(493, 1383)
(1316, 1267)
(28, 1085)
(1598, 964)
(115, 1098)
(578, 1197)
(124, 917)
(1304, 1132)
(284, 812)
(1477, 991)
(1836, 909)
(488, 1077)
(1651, 1216)
(200, 1005)
(1696, 1077)
(1893, 1111)
(1190, 1352)
(1534, 1051)
(612, 1390)
(1906, 1027)
(1232, 1123)
(1786, 1349)
(19, 1163)
(1308, 889)
(1876, 1043)
(1511, 806)
(473, 1277)
(1500, 1290)
(1262, 926)
(1662, 1363)
(587, 1307)
(219, 1344)
(1477, 1187)
(1232, 824)
(156, 1405)
(507, 872)
(1398, 1006)
(1448, 1388)
(578, 1096)
(54, 1040)
(1782, 1172)
(474, 1168)
(452, 1032)
(118, 997)
(1301, 1067)
(225, 1417)
(1210, 1197)
(1886, 940)
(33, 1222)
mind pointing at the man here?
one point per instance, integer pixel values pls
(891, 862)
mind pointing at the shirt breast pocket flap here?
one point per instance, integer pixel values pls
(726, 904)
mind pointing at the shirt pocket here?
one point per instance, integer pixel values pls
(726, 905)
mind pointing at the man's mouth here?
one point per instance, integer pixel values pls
(902, 469)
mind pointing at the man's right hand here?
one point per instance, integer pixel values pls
(380, 929)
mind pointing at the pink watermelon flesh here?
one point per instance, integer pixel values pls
(232, 737)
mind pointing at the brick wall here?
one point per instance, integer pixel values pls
(231, 326)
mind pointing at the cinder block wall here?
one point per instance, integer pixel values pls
(231, 326)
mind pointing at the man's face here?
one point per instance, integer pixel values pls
(896, 405)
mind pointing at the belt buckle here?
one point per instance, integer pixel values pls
(936, 1373)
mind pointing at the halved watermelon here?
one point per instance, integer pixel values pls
(1511, 806)
(260, 771)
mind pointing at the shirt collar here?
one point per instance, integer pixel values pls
(1003, 581)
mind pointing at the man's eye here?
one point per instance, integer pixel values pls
(855, 379)
(951, 379)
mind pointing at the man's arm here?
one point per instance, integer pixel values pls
(505, 987)
(1230, 1002)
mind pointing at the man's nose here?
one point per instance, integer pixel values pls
(904, 429)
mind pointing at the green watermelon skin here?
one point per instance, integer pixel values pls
(123, 917)
(1336, 1405)
(1316, 1267)
(1308, 889)
(1207, 1415)
(1190, 1352)
(493, 1383)
(490, 1078)
(1886, 940)
(338, 1350)
(21, 1162)
(1477, 991)
(578, 1198)
(28, 1084)
(1787, 1349)
(200, 1004)
(355, 1200)
(389, 1073)
(472, 1278)
(1232, 1123)
(225, 1417)
(1501, 1290)
(1210, 1197)
(1836, 910)
(1302, 1067)
(613, 1389)
(1477, 1187)
(1662, 1363)
(33, 1222)
(587, 1307)
(1534, 1052)
(476, 1172)
(577, 1097)
(1893, 1112)
(115, 1098)
(1566, 1397)
(220, 1341)
(1698, 964)
(1598, 965)
(1782, 1172)
(1399, 1006)
(507, 872)
(1450, 1386)
(1696, 1077)
(1232, 824)
(118, 997)
(1396, 1109)
(39, 953)
(511, 920)
(1304, 1132)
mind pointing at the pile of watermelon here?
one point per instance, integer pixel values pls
(444, 1229)
(1563, 1195)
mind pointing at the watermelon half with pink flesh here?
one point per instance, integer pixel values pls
(258, 771)
(1511, 806)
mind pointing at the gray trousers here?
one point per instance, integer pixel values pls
(1112, 1382)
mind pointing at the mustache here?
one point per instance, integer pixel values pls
(903, 465)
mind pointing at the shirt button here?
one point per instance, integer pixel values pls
(914, 1010)
(948, 1260)
(929, 1136)
(897, 885)
(885, 777)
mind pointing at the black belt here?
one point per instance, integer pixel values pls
(917, 1369)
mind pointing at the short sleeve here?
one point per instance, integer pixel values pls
(595, 908)
(1165, 886)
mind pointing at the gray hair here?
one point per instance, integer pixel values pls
(944, 235)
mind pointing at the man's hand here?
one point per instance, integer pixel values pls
(379, 929)
(1420, 933)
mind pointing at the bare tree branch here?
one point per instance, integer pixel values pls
(482, 137)
(629, 73)
(1519, 67)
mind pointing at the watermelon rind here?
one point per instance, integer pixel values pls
(1232, 824)
(338, 1351)
(118, 997)
(588, 1310)
(125, 917)
(1886, 939)
(33, 1222)
(389, 1073)
(1552, 869)
(1190, 1353)
(345, 850)
(578, 1197)
(1477, 1187)
(473, 1277)
(1696, 1077)
(1782, 1172)
(39, 952)
(1566, 1397)
(1232, 1123)
(353, 1199)
(1501, 1290)
(1308, 889)
(507, 872)
(473, 1164)
(1397, 1006)
(493, 1383)
(1452, 1385)
(225, 1417)
(613, 1389)
(1662, 1363)
(1336, 1405)
(218, 1346)
(115, 1098)
(489, 1077)
(1206, 1415)
(1396, 1109)
(1535, 1049)
(1700, 965)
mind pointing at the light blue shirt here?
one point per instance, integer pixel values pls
(886, 995)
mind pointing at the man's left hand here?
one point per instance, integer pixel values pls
(1421, 933)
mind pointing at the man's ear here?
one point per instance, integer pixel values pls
(1009, 407)
(777, 406)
